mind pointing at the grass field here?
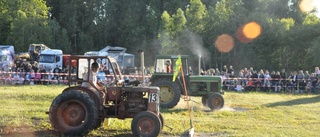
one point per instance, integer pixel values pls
(22, 113)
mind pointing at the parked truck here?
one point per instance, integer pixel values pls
(124, 59)
(6, 55)
(31, 56)
(50, 58)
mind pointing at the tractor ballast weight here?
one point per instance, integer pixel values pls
(78, 110)
(207, 87)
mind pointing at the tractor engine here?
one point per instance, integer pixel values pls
(135, 101)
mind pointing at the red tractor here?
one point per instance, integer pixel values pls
(78, 109)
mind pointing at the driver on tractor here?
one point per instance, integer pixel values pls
(168, 66)
(93, 80)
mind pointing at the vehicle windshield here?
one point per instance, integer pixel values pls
(47, 58)
(3, 58)
(31, 48)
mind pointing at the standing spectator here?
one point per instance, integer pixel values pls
(293, 81)
(245, 74)
(22, 76)
(241, 78)
(232, 81)
(300, 81)
(7, 74)
(224, 70)
(240, 81)
(277, 82)
(14, 68)
(37, 78)
(260, 80)
(28, 68)
(32, 77)
(307, 76)
(251, 70)
(230, 70)
(283, 75)
(50, 76)
(64, 73)
(266, 81)
(272, 81)
(28, 74)
(314, 83)
(35, 67)
(57, 72)
(254, 77)
(43, 74)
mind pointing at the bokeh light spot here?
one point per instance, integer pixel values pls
(252, 30)
(241, 37)
(248, 32)
(306, 5)
(224, 43)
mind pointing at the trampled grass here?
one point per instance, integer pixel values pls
(244, 114)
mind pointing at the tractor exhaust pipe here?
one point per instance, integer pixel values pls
(199, 65)
(142, 65)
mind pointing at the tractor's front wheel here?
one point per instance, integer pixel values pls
(215, 101)
(169, 93)
(146, 124)
(73, 113)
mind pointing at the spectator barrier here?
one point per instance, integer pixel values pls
(237, 84)
(26, 78)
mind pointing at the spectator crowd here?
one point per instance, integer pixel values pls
(33, 74)
(267, 81)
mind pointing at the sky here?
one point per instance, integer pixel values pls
(317, 4)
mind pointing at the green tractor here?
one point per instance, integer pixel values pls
(207, 87)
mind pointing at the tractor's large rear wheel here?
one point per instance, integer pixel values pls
(146, 124)
(73, 113)
(215, 101)
(169, 93)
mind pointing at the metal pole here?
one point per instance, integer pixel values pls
(142, 65)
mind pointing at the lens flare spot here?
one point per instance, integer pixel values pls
(252, 30)
(248, 32)
(241, 37)
(306, 5)
(224, 43)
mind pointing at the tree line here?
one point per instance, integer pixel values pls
(290, 38)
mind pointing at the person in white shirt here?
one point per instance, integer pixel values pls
(93, 80)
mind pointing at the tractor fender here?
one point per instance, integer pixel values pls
(95, 95)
